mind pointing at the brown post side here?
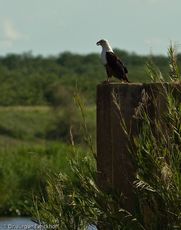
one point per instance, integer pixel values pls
(115, 169)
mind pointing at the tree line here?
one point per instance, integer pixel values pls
(36, 80)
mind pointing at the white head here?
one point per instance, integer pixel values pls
(105, 44)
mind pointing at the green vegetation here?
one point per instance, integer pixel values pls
(23, 173)
(74, 202)
(35, 142)
(25, 123)
(31, 80)
(39, 119)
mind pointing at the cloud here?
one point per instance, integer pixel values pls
(10, 34)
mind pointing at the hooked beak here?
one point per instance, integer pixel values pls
(98, 43)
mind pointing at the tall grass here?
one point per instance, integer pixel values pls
(158, 159)
(23, 173)
(27, 155)
(74, 201)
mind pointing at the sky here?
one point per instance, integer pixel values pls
(49, 27)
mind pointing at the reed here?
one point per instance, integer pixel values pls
(74, 201)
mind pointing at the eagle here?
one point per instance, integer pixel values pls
(113, 64)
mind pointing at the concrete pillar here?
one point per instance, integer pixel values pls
(118, 102)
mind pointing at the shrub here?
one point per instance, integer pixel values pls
(75, 201)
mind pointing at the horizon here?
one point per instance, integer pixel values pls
(52, 27)
(31, 53)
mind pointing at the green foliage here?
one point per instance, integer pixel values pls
(67, 119)
(154, 72)
(32, 125)
(28, 154)
(71, 199)
(29, 80)
(74, 202)
(158, 161)
(174, 72)
(23, 173)
(25, 123)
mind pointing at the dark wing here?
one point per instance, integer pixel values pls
(125, 69)
(118, 68)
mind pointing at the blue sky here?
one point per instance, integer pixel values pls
(53, 26)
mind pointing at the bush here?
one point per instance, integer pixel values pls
(75, 201)
(23, 174)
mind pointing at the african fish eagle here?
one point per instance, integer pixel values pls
(114, 66)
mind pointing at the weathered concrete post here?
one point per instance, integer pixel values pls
(116, 102)
(114, 166)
